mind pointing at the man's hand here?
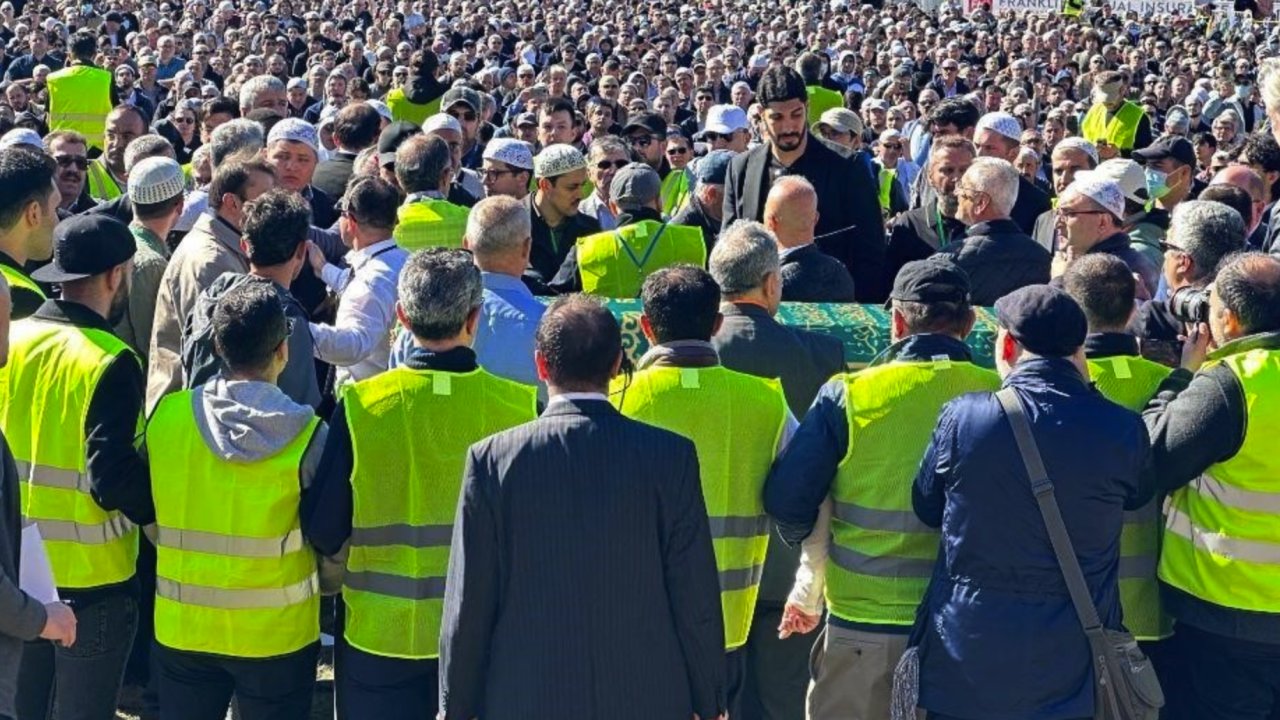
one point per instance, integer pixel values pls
(60, 625)
(1195, 346)
(795, 620)
(315, 258)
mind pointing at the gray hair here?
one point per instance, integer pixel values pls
(255, 86)
(1207, 231)
(146, 146)
(235, 136)
(497, 226)
(1269, 84)
(604, 145)
(998, 179)
(439, 287)
(743, 256)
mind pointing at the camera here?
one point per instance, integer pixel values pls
(1190, 305)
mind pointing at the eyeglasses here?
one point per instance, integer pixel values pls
(678, 151)
(615, 164)
(1070, 212)
(80, 161)
(714, 136)
(1167, 246)
(640, 141)
(185, 120)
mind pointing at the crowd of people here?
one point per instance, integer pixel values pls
(304, 335)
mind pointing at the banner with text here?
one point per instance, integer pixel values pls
(1121, 7)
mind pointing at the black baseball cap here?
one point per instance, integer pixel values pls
(1178, 148)
(1043, 319)
(391, 138)
(652, 122)
(87, 245)
(934, 279)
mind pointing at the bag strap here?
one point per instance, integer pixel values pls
(1042, 488)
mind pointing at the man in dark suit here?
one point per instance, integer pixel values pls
(849, 224)
(750, 340)
(808, 274)
(355, 128)
(582, 581)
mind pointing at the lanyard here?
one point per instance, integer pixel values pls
(943, 238)
(648, 251)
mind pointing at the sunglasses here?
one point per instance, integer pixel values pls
(640, 141)
(615, 164)
(80, 161)
(185, 120)
(464, 116)
(678, 151)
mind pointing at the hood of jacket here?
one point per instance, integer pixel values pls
(247, 421)
(421, 90)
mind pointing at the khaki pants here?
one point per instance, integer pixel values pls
(852, 674)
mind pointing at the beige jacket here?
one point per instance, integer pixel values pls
(209, 250)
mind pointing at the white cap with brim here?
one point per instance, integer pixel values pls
(1127, 174)
(21, 137)
(724, 120)
(441, 121)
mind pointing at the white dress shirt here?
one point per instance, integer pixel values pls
(359, 341)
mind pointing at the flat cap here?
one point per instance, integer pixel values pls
(635, 185)
(1043, 319)
(711, 168)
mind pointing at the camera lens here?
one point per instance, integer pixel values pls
(1190, 305)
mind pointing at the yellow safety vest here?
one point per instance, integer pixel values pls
(402, 108)
(675, 190)
(887, 178)
(45, 391)
(102, 186)
(1120, 131)
(79, 100)
(234, 576)
(881, 554)
(429, 222)
(736, 422)
(821, 100)
(1220, 542)
(20, 280)
(410, 430)
(615, 263)
(1130, 382)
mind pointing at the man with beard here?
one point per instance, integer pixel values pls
(849, 225)
(90, 527)
(918, 233)
(28, 214)
(107, 174)
(1070, 156)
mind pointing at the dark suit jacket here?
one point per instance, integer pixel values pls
(582, 582)
(1031, 202)
(751, 341)
(810, 275)
(333, 174)
(848, 206)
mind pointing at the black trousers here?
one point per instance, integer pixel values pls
(735, 676)
(777, 670)
(1230, 679)
(373, 687)
(194, 686)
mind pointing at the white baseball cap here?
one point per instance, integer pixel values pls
(724, 120)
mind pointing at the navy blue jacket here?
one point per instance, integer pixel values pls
(997, 635)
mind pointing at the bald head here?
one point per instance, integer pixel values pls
(1243, 177)
(791, 211)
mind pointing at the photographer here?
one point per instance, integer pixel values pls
(1211, 444)
(1200, 235)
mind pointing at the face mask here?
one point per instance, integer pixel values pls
(1157, 183)
(1242, 91)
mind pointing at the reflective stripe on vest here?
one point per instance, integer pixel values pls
(233, 575)
(18, 279)
(429, 222)
(615, 263)
(1220, 543)
(79, 100)
(1131, 381)
(736, 422)
(45, 390)
(1120, 131)
(881, 554)
(410, 431)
